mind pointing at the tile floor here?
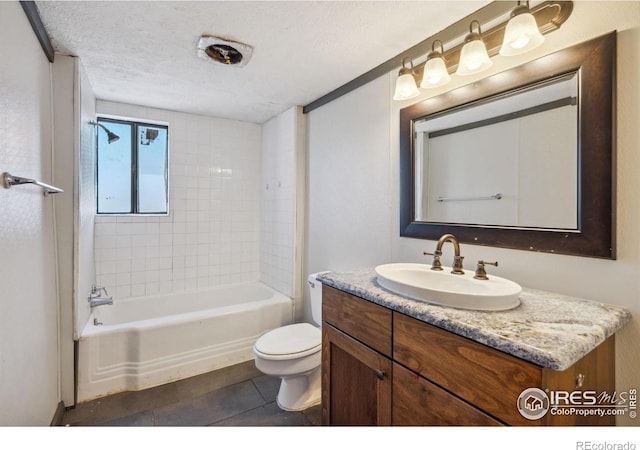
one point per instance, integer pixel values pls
(239, 395)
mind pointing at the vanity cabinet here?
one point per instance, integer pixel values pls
(356, 360)
(383, 367)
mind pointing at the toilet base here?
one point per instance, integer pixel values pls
(299, 392)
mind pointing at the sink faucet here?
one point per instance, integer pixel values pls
(457, 259)
(96, 299)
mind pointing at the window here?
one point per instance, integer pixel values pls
(132, 167)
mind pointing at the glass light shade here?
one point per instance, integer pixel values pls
(406, 87)
(521, 35)
(435, 73)
(473, 58)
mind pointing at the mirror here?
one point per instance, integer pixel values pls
(522, 159)
(483, 164)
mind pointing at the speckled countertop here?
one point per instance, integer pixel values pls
(547, 329)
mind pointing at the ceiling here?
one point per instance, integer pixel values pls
(144, 52)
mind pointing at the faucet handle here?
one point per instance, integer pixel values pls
(436, 265)
(481, 274)
(95, 290)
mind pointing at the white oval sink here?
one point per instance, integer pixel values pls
(441, 287)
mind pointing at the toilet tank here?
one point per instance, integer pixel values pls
(315, 291)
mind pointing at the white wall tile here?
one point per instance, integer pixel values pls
(214, 186)
(278, 191)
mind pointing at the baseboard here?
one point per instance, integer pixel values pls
(58, 416)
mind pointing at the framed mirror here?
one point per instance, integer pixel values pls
(522, 159)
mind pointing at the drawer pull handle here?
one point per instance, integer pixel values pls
(580, 380)
(380, 374)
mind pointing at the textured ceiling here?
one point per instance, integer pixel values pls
(144, 52)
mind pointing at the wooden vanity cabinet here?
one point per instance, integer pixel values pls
(356, 361)
(382, 367)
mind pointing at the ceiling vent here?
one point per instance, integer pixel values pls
(223, 51)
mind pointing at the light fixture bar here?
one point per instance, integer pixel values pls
(550, 15)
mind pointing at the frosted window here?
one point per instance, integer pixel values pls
(132, 170)
(152, 169)
(114, 169)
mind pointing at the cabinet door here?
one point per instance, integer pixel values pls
(356, 381)
(417, 402)
(595, 372)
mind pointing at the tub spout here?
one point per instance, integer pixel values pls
(100, 301)
(95, 297)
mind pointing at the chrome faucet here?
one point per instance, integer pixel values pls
(100, 302)
(457, 259)
(96, 299)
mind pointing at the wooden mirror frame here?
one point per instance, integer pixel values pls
(595, 235)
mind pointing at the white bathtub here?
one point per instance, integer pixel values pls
(147, 341)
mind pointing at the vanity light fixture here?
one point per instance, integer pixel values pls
(522, 33)
(512, 31)
(473, 57)
(406, 83)
(435, 70)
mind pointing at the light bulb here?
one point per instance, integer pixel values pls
(435, 71)
(406, 87)
(406, 83)
(521, 34)
(473, 57)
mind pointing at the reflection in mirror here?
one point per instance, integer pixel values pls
(510, 160)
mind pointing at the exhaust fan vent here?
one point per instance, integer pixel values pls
(223, 51)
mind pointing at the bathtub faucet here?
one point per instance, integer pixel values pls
(100, 302)
(96, 299)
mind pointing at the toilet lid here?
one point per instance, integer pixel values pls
(290, 339)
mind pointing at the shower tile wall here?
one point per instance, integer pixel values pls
(279, 147)
(212, 235)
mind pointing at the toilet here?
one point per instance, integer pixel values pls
(292, 353)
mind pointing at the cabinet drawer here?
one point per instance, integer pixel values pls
(365, 321)
(487, 378)
(418, 402)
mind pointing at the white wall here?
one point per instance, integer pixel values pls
(348, 181)
(211, 236)
(281, 197)
(29, 377)
(74, 140)
(85, 157)
(351, 223)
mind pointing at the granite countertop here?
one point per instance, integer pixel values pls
(547, 329)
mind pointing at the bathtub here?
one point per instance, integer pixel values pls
(143, 342)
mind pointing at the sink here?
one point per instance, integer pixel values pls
(419, 282)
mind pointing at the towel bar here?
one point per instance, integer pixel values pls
(9, 180)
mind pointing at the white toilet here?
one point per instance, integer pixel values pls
(292, 353)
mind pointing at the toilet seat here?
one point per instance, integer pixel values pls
(288, 342)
